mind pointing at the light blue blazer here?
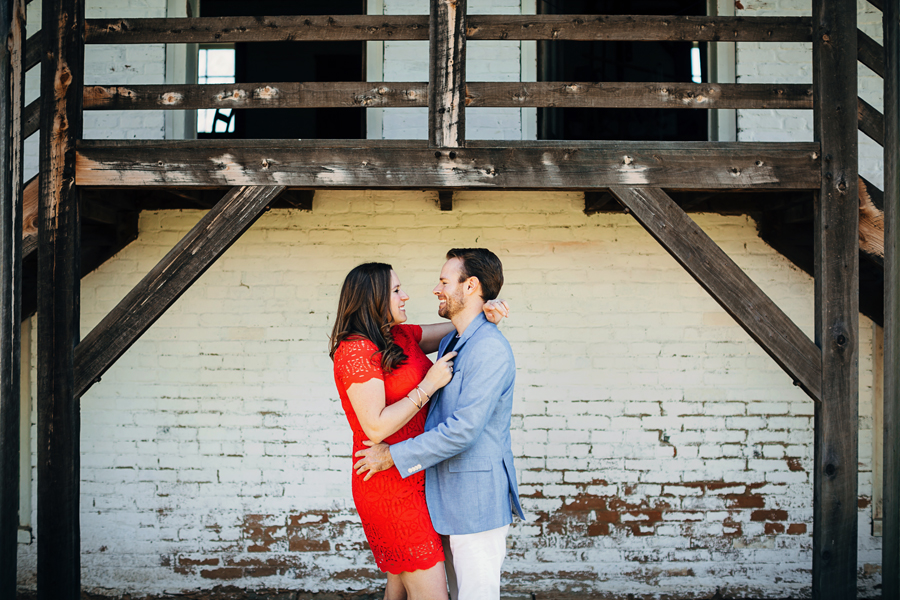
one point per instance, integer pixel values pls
(470, 480)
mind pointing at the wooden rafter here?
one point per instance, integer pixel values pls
(408, 164)
(478, 27)
(170, 278)
(447, 74)
(753, 310)
(835, 464)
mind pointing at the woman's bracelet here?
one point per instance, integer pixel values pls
(416, 404)
(427, 397)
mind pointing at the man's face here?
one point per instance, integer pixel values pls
(449, 290)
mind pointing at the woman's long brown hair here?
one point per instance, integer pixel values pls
(364, 310)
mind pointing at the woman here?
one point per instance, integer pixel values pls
(385, 380)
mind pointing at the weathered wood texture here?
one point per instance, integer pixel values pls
(30, 201)
(407, 164)
(837, 304)
(33, 51)
(12, 86)
(727, 284)
(479, 27)
(890, 564)
(870, 121)
(447, 74)
(58, 460)
(445, 200)
(170, 278)
(871, 224)
(478, 94)
(879, 4)
(31, 118)
(870, 53)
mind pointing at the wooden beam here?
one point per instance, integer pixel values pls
(727, 284)
(447, 74)
(890, 564)
(870, 53)
(170, 278)
(30, 201)
(445, 199)
(594, 202)
(31, 118)
(408, 164)
(870, 121)
(479, 27)
(879, 4)
(33, 51)
(12, 86)
(358, 94)
(835, 517)
(58, 462)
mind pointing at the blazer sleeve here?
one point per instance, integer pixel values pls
(490, 373)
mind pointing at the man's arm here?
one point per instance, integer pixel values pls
(492, 371)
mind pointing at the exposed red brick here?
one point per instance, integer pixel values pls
(796, 528)
(298, 544)
(794, 464)
(261, 572)
(584, 502)
(224, 573)
(773, 528)
(296, 520)
(735, 526)
(745, 500)
(607, 516)
(863, 502)
(195, 562)
(596, 529)
(769, 515)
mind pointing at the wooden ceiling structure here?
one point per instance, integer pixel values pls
(642, 177)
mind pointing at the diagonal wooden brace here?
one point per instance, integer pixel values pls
(755, 312)
(170, 278)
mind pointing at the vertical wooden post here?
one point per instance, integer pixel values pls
(12, 80)
(837, 304)
(447, 74)
(890, 564)
(62, 82)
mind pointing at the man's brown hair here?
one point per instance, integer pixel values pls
(483, 264)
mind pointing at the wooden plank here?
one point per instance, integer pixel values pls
(594, 202)
(879, 4)
(726, 283)
(358, 94)
(12, 86)
(870, 53)
(445, 199)
(33, 51)
(890, 564)
(59, 252)
(478, 94)
(835, 517)
(391, 165)
(870, 121)
(31, 118)
(170, 278)
(447, 74)
(638, 95)
(293, 28)
(30, 201)
(479, 27)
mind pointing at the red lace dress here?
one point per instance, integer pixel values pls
(392, 509)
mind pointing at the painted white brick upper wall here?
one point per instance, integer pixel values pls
(660, 449)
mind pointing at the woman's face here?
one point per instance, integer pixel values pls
(398, 301)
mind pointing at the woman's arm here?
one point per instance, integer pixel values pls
(379, 421)
(494, 311)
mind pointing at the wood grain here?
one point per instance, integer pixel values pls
(870, 53)
(835, 464)
(741, 298)
(870, 121)
(403, 164)
(447, 74)
(170, 278)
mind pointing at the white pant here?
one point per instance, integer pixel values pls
(473, 563)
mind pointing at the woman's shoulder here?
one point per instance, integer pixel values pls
(411, 334)
(355, 345)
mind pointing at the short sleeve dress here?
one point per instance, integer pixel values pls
(392, 509)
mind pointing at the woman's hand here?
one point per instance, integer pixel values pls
(439, 375)
(496, 310)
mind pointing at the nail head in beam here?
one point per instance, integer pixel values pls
(835, 462)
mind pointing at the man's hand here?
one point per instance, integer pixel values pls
(373, 459)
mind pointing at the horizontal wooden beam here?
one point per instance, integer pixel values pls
(33, 51)
(870, 53)
(871, 122)
(399, 164)
(168, 280)
(31, 118)
(479, 27)
(478, 94)
(741, 298)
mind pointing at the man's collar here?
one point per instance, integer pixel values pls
(470, 330)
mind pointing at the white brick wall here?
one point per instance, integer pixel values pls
(661, 450)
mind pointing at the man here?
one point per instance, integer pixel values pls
(470, 480)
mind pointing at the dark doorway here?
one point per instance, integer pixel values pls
(272, 62)
(569, 61)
